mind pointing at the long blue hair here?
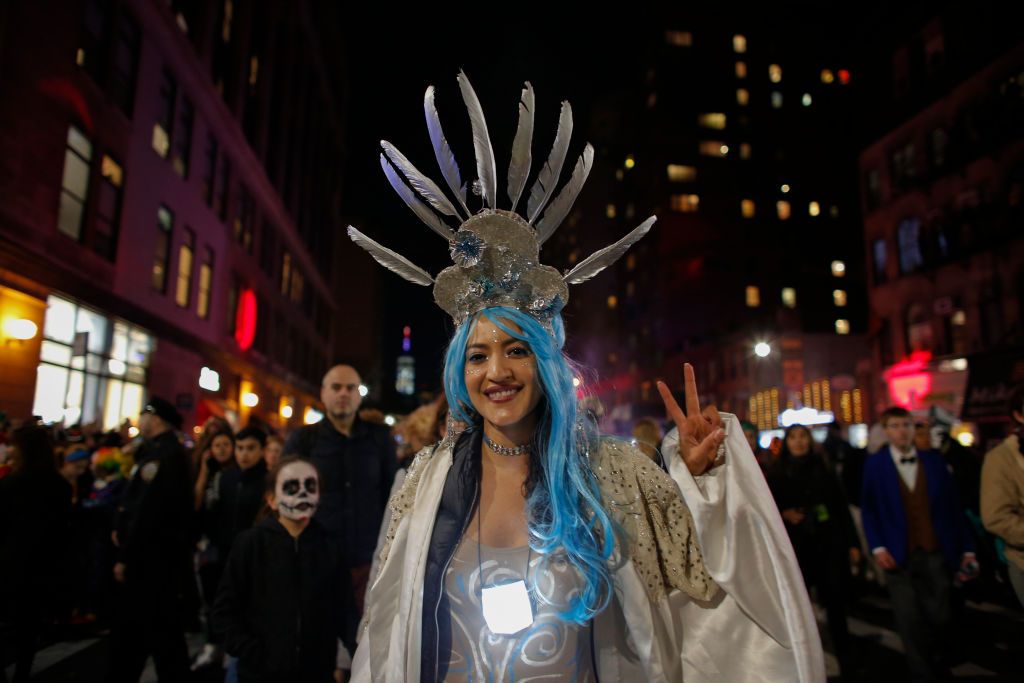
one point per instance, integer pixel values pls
(563, 503)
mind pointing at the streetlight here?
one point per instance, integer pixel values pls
(762, 349)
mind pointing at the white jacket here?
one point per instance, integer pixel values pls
(758, 627)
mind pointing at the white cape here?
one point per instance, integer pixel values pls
(759, 628)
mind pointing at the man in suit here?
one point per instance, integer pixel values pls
(918, 534)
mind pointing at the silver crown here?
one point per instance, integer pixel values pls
(496, 252)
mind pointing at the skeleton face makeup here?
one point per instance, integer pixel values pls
(297, 491)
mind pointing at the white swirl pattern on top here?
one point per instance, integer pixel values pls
(549, 649)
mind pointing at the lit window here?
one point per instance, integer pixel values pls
(286, 272)
(685, 203)
(609, 211)
(776, 100)
(652, 100)
(839, 297)
(714, 120)
(959, 318)
(789, 297)
(842, 326)
(631, 262)
(838, 268)
(844, 76)
(630, 162)
(775, 73)
(753, 297)
(783, 209)
(741, 69)
(619, 175)
(679, 38)
(713, 148)
(630, 288)
(747, 208)
(205, 285)
(112, 171)
(678, 173)
(827, 76)
(183, 290)
(75, 186)
(742, 97)
(814, 209)
(739, 43)
(254, 70)
(745, 150)
(161, 141)
(833, 211)
(806, 100)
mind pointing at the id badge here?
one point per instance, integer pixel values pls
(507, 607)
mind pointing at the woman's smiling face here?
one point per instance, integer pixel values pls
(501, 375)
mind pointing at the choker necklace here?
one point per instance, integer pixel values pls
(507, 451)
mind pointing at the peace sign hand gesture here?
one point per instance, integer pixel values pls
(700, 434)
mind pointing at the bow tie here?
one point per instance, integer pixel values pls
(908, 460)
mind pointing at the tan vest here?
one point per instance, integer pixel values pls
(920, 533)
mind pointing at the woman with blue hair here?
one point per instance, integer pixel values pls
(527, 546)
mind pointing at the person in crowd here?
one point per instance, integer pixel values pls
(285, 600)
(818, 521)
(35, 517)
(100, 508)
(274, 451)
(647, 435)
(918, 534)
(75, 469)
(846, 460)
(1002, 494)
(357, 462)
(240, 490)
(152, 532)
(216, 453)
(765, 458)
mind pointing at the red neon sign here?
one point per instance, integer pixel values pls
(909, 380)
(245, 319)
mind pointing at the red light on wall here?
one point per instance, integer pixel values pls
(909, 380)
(245, 319)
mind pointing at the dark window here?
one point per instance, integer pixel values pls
(124, 65)
(210, 170)
(909, 240)
(108, 209)
(878, 250)
(224, 195)
(183, 138)
(162, 252)
(163, 126)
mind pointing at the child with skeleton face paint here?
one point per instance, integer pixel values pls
(285, 599)
(296, 494)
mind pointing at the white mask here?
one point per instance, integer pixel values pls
(297, 491)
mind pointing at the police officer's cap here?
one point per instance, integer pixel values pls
(165, 410)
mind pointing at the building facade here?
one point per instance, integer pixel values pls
(169, 221)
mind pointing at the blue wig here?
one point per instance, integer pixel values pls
(563, 508)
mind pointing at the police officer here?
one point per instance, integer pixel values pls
(152, 549)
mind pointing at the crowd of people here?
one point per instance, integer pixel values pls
(267, 542)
